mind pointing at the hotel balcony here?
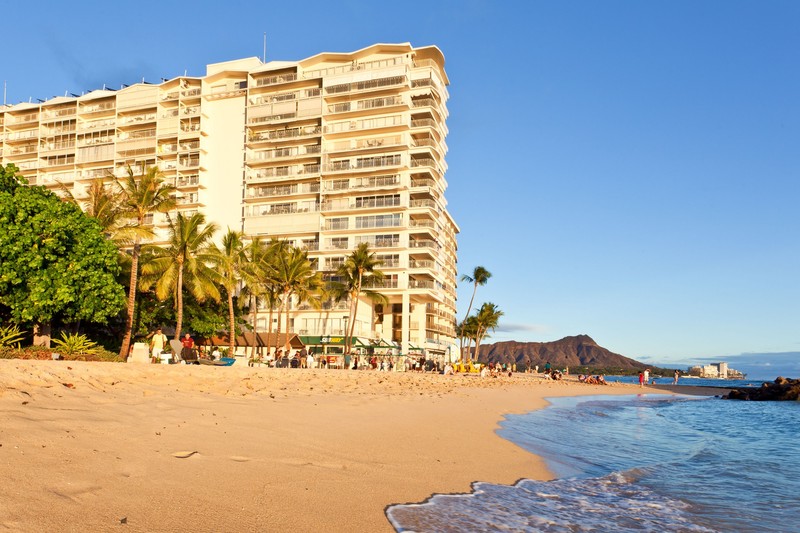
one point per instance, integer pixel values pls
(367, 124)
(17, 151)
(98, 109)
(188, 181)
(282, 209)
(22, 136)
(289, 151)
(282, 173)
(194, 92)
(424, 244)
(370, 182)
(364, 163)
(58, 114)
(379, 241)
(350, 204)
(283, 190)
(98, 125)
(14, 121)
(366, 144)
(279, 135)
(367, 85)
(58, 161)
(275, 80)
(366, 105)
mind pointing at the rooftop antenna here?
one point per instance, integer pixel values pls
(265, 47)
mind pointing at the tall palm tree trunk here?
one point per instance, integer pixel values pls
(254, 303)
(278, 333)
(126, 341)
(232, 326)
(179, 298)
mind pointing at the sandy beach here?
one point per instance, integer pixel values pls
(115, 447)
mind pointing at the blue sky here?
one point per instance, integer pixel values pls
(625, 169)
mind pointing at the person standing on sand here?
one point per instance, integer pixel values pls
(641, 378)
(647, 376)
(157, 343)
(547, 367)
(675, 378)
(188, 346)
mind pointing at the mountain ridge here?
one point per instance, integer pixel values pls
(574, 351)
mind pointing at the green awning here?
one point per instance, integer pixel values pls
(335, 340)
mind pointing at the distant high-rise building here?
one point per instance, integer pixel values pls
(327, 152)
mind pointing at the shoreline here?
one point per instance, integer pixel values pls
(196, 448)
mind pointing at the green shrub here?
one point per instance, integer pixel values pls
(74, 344)
(11, 335)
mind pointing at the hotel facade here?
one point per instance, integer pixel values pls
(328, 152)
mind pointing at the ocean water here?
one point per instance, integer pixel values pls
(638, 463)
(696, 382)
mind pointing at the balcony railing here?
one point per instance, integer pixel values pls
(291, 151)
(373, 123)
(423, 244)
(283, 209)
(380, 242)
(364, 105)
(137, 119)
(284, 134)
(136, 135)
(58, 113)
(187, 181)
(361, 183)
(25, 149)
(337, 224)
(420, 284)
(284, 190)
(22, 119)
(364, 163)
(98, 108)
(366, 85)
(348, 204)
(22, 135)
(98, 125)
(423, 203)
(274, 80)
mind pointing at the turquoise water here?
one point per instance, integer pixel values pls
(638, 463)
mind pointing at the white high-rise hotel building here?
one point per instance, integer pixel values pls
(327, 152)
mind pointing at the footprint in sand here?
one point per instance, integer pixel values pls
(183, 455)
(240, 458)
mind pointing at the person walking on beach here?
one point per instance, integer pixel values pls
(675, 378)
(547, 367)
(641, 378)
(157, 343)
(647, 376)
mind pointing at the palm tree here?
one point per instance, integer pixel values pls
(103, 204)
(487, 318)
(358, 272)
(480, 276)
(141, 196)
(255, 288)
(184, 261)
(230, 262)
(293, 276)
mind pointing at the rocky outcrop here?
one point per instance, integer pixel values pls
(782, 389)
